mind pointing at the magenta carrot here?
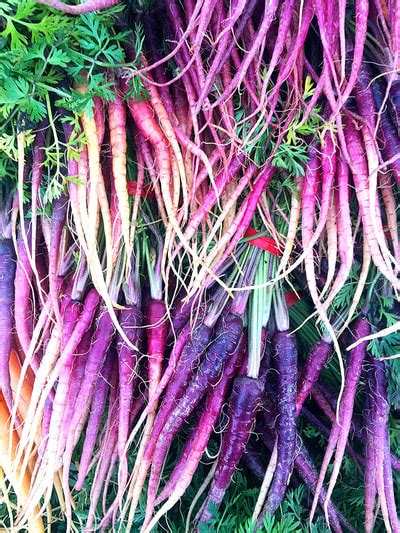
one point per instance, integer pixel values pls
(23, 293)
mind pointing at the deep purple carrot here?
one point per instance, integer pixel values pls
(311, 372)
(284, 354)
(7, 276)
(36, 179)
(58, 216)
(243, 405)
(131, 320)
(252, 460)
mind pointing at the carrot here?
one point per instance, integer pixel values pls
(227, 336)
(380, 416)
(117, 125)
(195, 446)
(97, 354)
(23, 311)
(36, 178)
(345, 242)
(191, 355)
(341, 428)
(85, 7)
(97, 195)
(360, 174)
(313, 367)
(59, 213)
(26, 391)
(7, 267)
(243, 404)
(12, 469)
(285, 361)
(94, 421)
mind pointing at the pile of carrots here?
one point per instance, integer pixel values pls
(200, 228)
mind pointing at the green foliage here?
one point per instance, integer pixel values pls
(41, 48)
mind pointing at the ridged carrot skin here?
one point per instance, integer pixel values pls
(312, 369)
(131, 321)
(243, 404)
(284, 353)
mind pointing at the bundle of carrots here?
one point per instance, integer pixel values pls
(198, 210)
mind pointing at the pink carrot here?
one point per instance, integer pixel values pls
(96, 412)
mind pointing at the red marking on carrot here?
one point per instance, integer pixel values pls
(146, 192)
(291, 298)
(266, 243)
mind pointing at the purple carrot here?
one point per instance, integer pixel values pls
(97, 408)
(97, 354)
(23, 292)
(243, 405)
(131, 321)
(311, 372)
(228, 332)
(387, 131)
(59, 213)
(252, 460)
(107, 458)
(324, 430)
(284, 354)
(341, 427)
(380, 413)
(369, 471)
(309, 474)
(190, 357)
(7, 277)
